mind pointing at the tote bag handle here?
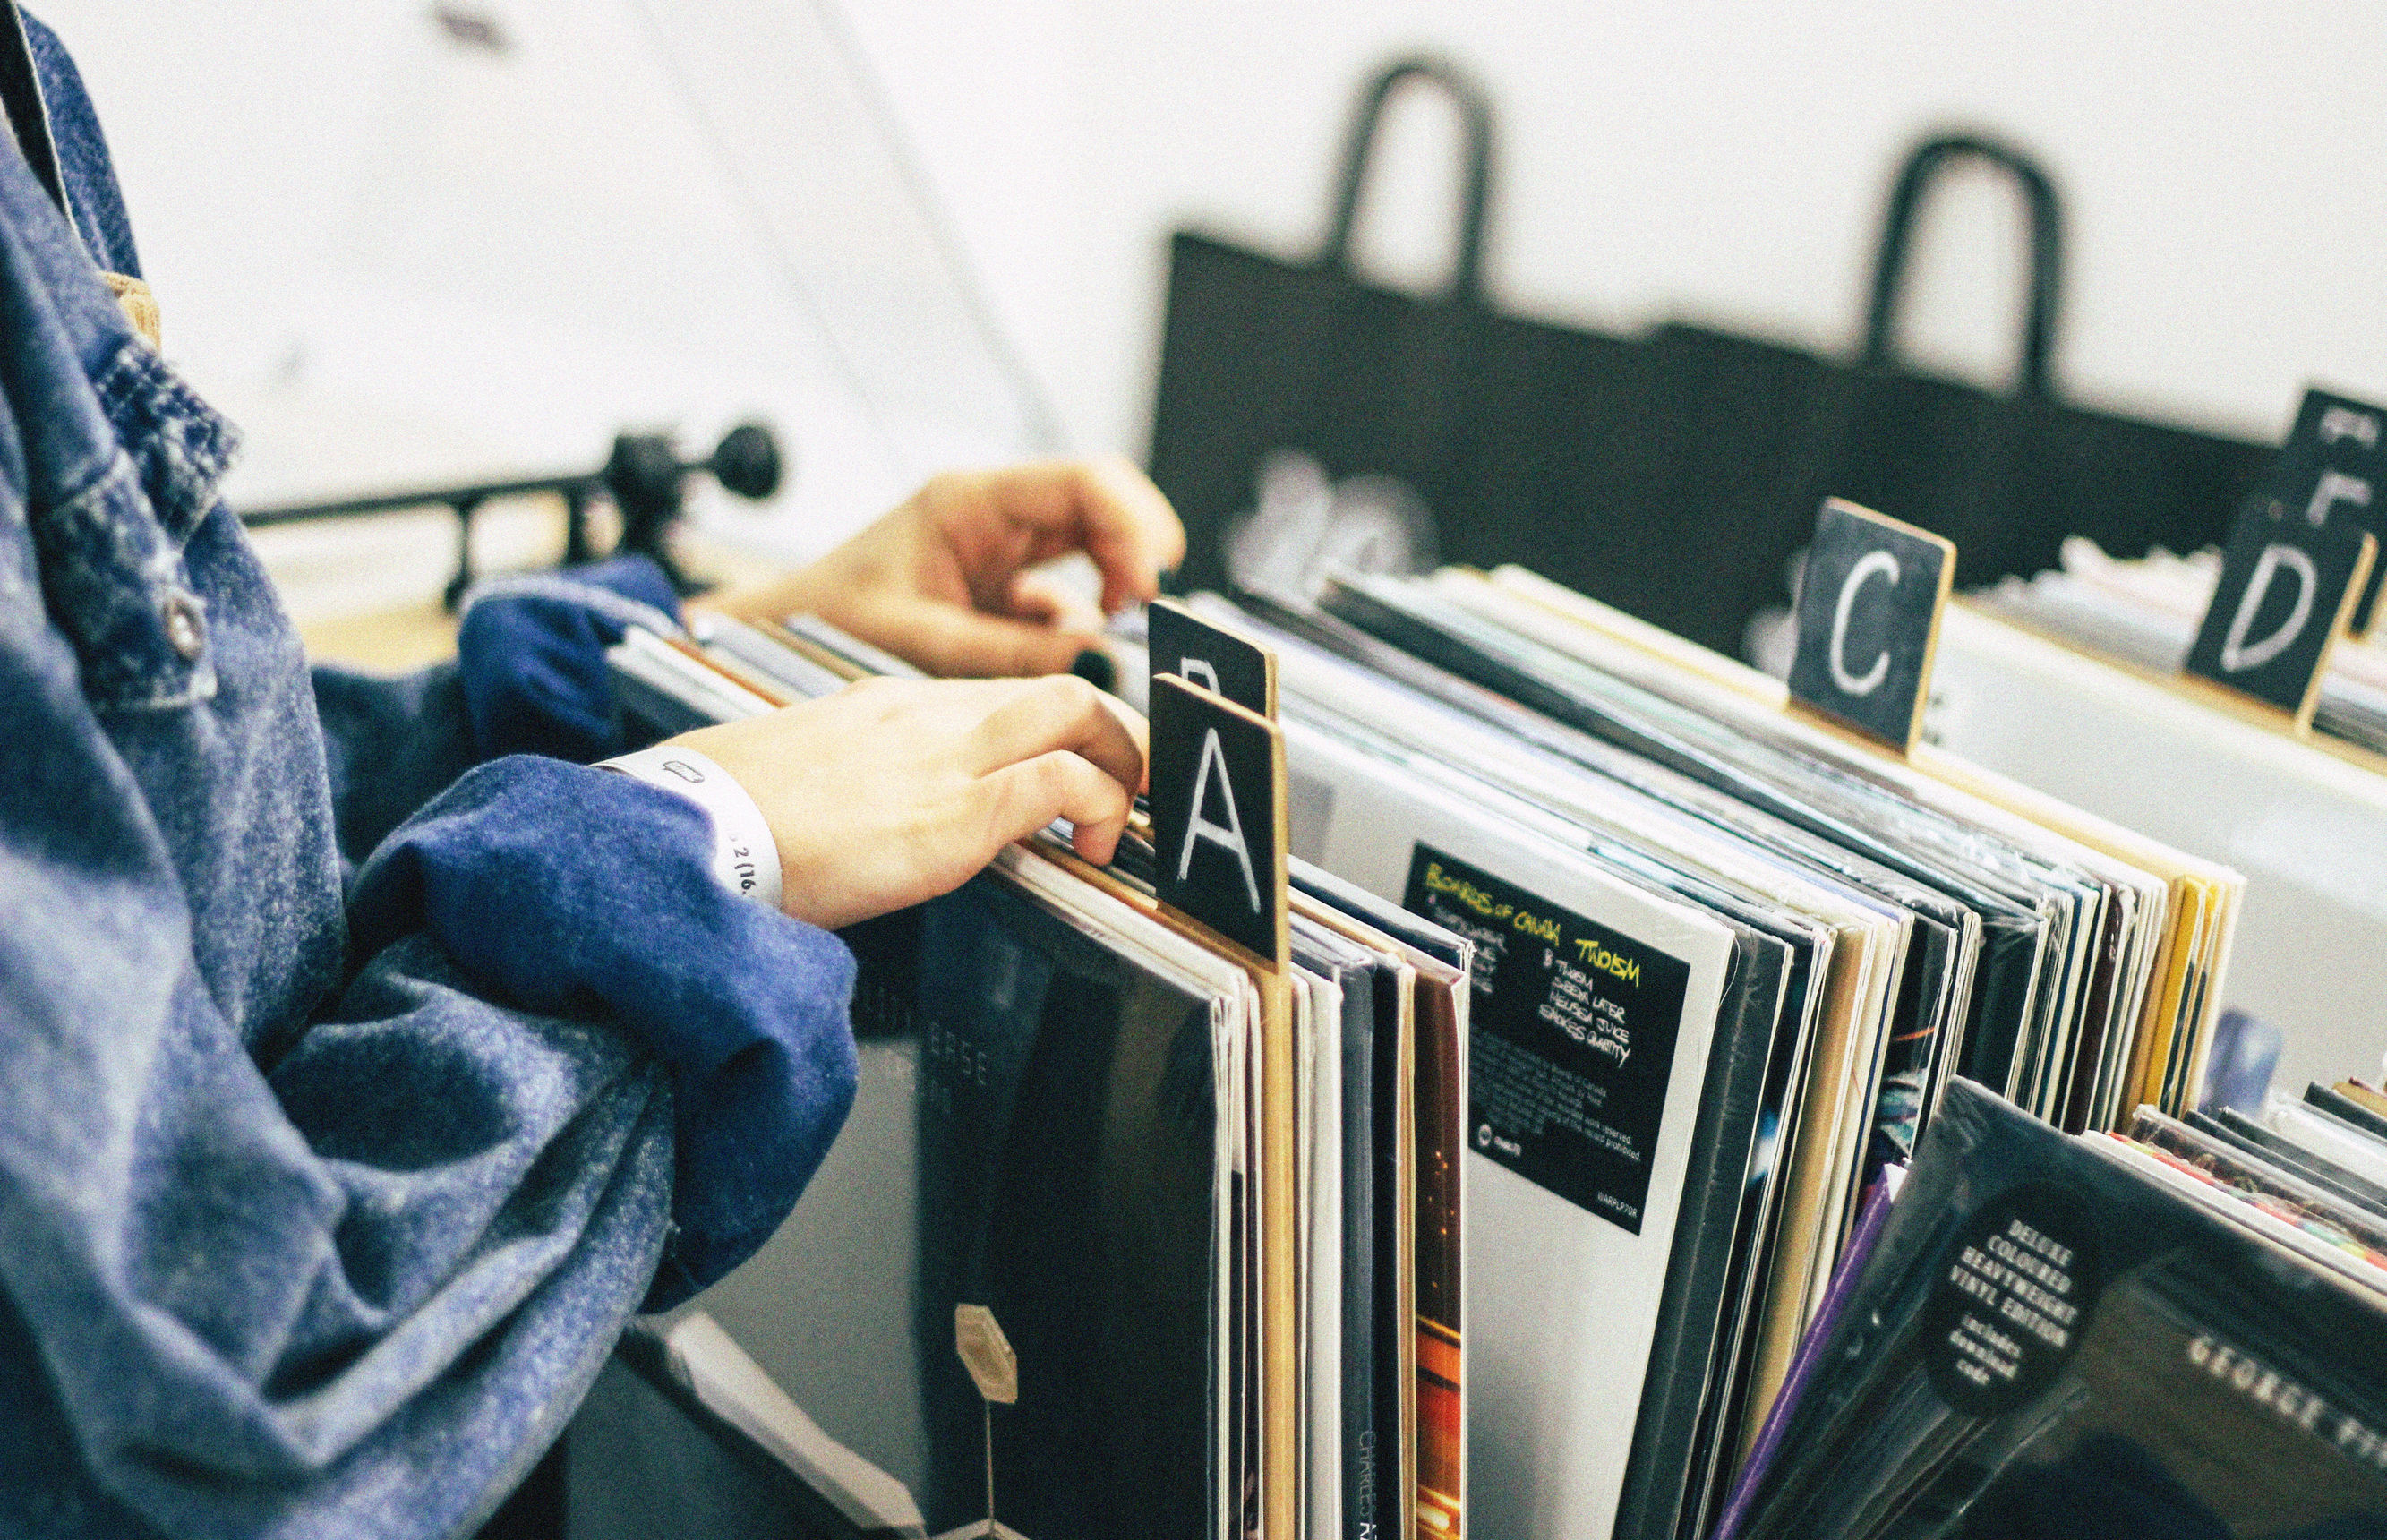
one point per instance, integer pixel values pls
(1475, 115)
(1923, 166)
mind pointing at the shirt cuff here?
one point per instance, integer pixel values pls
(745, 857)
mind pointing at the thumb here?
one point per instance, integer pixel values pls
(965, 643)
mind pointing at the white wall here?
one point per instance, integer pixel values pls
(2227, 201)
(2226, 196)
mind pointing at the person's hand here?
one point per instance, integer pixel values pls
(943, 581)
(892, 791)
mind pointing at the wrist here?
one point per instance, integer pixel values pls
(745, 856)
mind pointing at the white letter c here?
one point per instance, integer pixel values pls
(1872, 563)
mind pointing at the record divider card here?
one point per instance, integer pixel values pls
(1221, 854)
(1868, 624)
(2297, 568)
(1180, 642)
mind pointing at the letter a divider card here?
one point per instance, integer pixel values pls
(1218, 815)
(1219, 860)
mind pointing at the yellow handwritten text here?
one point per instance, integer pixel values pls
(1598, 956)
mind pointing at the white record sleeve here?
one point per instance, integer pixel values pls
(1562, 1288)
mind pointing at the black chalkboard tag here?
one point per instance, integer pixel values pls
(1869, 607)
(2288, 589)
(2333, 469)
(1218, 815)
(1211, 656)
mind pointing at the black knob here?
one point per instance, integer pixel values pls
(643, 474)
(747, 461)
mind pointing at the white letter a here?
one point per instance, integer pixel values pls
(1230, 833)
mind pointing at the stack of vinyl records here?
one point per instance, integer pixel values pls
(2022, 688)
(1873, 927)
(1713, 967)
(1186, 1220)
(2180, 1329)
(2145, 613)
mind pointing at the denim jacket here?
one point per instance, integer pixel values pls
(321, 1200)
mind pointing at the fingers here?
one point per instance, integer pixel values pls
(1057, 715)
(1020, 799)
(1130, 530)
(1105, 507)
(949, 641)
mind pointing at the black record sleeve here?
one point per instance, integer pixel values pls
(2044, 1333)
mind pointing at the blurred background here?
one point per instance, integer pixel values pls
(402, 241)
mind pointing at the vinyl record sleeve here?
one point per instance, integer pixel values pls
(2328, 1137)
(1088, 1141)
(2347, 1109)
(1350, 971)
(1265, 1369)
(2316, 1243)
(1726, 1241)
(2026, 978)
(1318, 1025)
(654, 704)
(1749, 1113)
(2164, 944)
(672, 691)
(2170, 1373)
(1564, 1296)
(2247, 1171)
(1803, 1368)
(1393, 1249)
(1890, 831)
(734, 643)
(1069, 1182)
(2071, 1065)
(1792, 1241)
(1431, 1194)
(2268, 1144)
(2285, 814)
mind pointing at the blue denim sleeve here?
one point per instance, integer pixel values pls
(567, 889)
(352, 1294)
(529, 677)
(390, 744)
(530, 654)
(307, 1230)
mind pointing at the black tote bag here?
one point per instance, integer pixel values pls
(1305, 418)
(1768, 432)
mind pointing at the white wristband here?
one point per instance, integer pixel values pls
(745, 857)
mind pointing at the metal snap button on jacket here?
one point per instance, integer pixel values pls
(185, 629)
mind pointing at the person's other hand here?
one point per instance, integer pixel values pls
(892, 791)
(943, 581)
